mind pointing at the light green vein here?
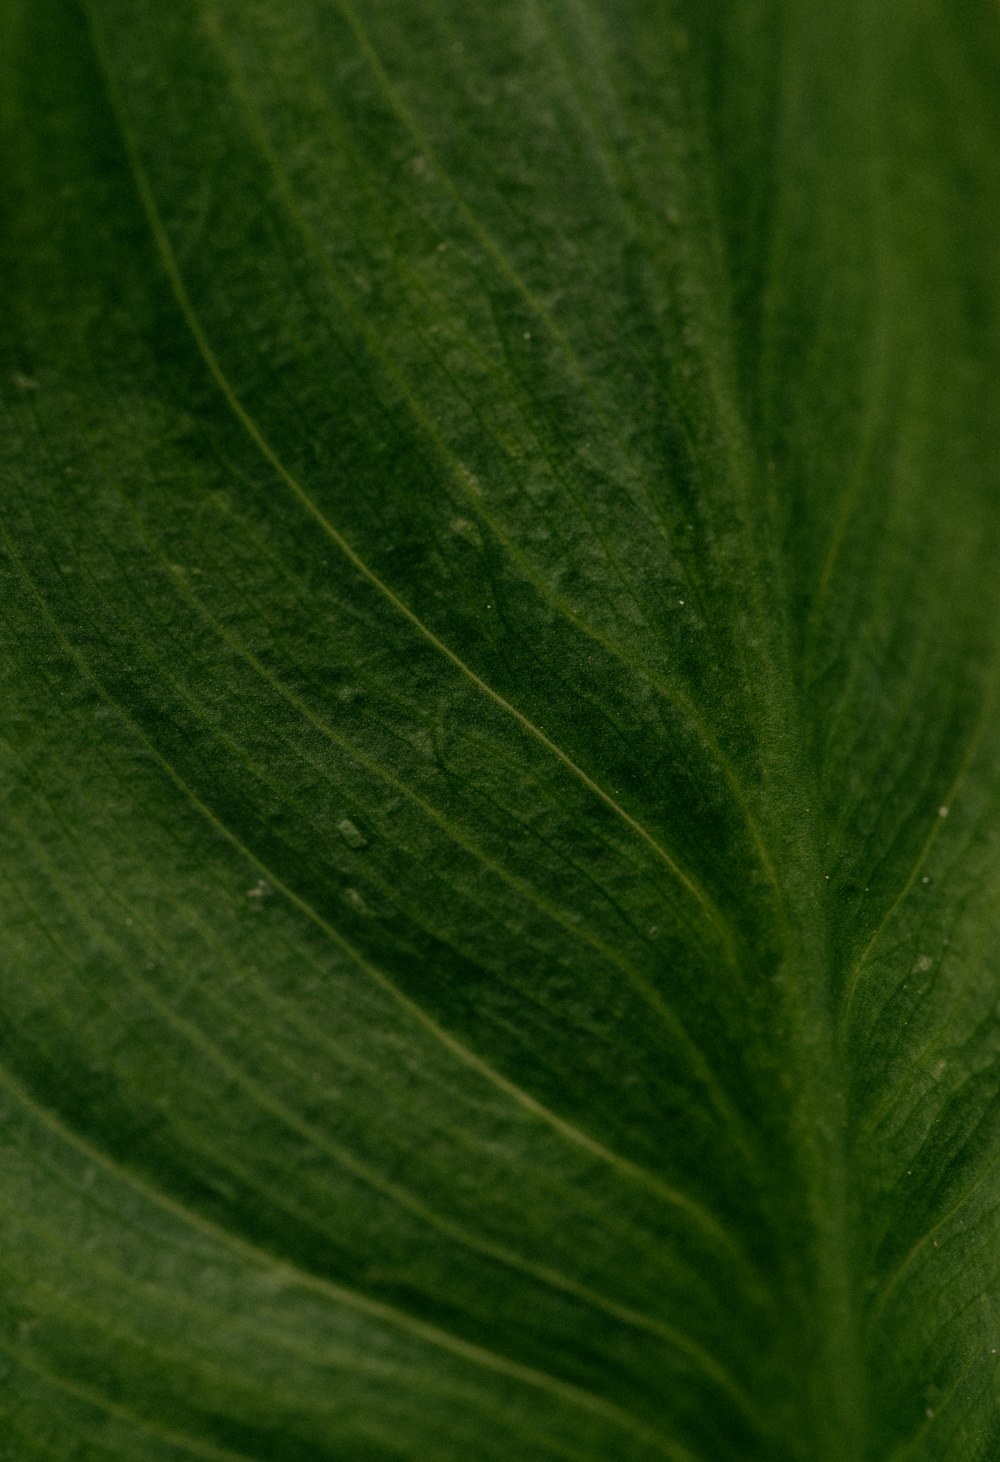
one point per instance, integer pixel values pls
(433, 1335)
(428, 1383)
(457, 1232)
(927, 1237)
(938, 1042)
(699, 895)
(179, 1440)
(693, 1054)
(937, 823)
(460, 474)
(647, 991)
(461, 1052)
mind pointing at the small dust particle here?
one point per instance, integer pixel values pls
(943, 811)
(925, 879)
(467, 530)
(351, 833)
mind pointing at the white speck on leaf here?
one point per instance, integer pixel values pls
(467, 530)
(351, 833)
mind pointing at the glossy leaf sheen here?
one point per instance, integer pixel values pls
(500, 745)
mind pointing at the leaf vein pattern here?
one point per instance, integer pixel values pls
(704, 901)
(455, 1231)
(461, 1052)
(698, 1062)
(179, 1440)
(341, 1294)
(459, 474)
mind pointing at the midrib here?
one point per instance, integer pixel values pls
(832, 1398)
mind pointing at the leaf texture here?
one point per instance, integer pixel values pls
(500, 747)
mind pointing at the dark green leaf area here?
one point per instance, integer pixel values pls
(499, 742)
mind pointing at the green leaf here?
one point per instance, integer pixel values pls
(500, 740)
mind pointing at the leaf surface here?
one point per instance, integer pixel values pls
(500, 749)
